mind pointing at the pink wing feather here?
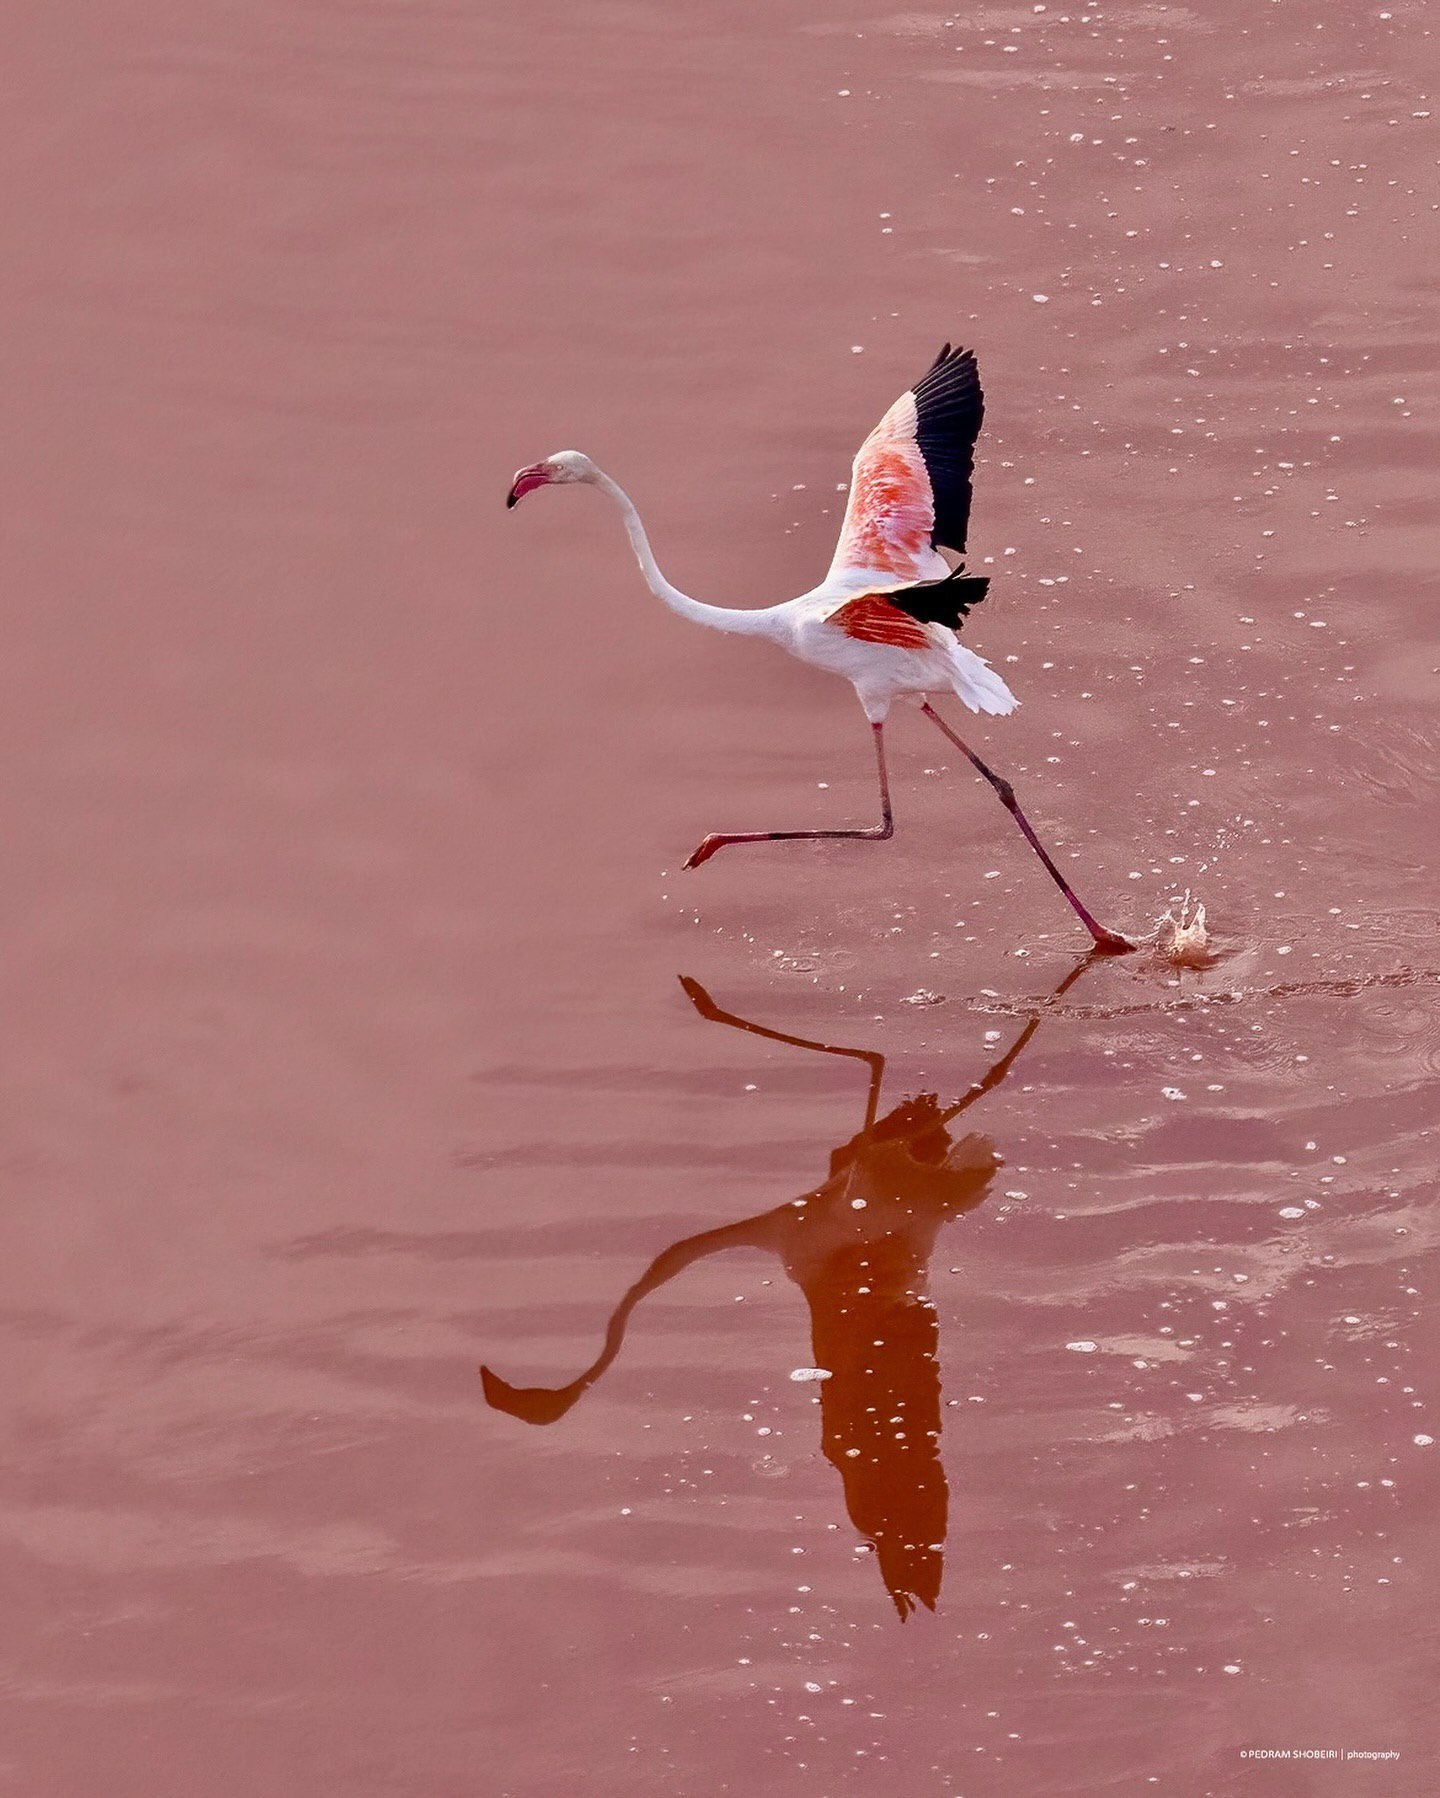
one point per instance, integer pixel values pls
(910, 483)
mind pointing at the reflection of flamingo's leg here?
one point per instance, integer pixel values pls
(713, 1013)
(1002, 1067)
(544, 1404)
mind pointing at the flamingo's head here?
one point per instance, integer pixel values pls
(554, 471)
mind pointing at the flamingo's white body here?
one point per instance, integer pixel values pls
(883, 672)
(888, 613)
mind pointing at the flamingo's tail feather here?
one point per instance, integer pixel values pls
(977, 683)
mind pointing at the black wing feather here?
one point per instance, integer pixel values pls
(949, 410)
(941, 602)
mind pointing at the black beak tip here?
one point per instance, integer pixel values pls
(510, 502)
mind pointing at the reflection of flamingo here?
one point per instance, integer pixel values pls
(858, 1246)
(888, 614)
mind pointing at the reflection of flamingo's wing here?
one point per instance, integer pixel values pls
(969, 1164)
(880, 1422)
(545, 1404)
(864, 1272)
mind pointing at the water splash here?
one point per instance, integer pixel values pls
(1182, 939)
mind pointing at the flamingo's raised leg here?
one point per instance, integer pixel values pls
(876, 834)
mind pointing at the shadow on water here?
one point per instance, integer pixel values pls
(858, 1246)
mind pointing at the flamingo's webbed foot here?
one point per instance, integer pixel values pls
(706, 849)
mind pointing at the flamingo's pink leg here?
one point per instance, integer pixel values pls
(1107, 940)
(876, 834)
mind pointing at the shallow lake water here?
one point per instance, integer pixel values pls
(363, 1029)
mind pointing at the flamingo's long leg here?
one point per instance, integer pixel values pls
(1108, 940)
(876, 834)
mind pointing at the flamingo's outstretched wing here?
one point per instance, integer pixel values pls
(910, 485)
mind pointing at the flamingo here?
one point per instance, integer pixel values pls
(888, 614)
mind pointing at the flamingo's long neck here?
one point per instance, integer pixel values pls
(755, 623)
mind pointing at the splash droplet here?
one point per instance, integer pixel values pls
(1183, 939)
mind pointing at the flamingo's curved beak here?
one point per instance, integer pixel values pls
(538, 475)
